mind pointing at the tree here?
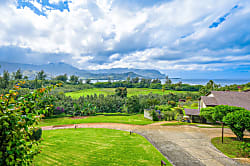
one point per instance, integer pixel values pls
(26, 77)
(221, 111)
(133, 104)
(143, 82)
(238, 121)
(18, 75)
(128, 79)
(237, 118)
(63, 78)
(88, 81)
(41, 75)
(122, 92)
(74, 79)
(109, 80)
(207, 113)
(168, 81)
(6, 79)
(210, 86)
(135, 80)
(156, 81)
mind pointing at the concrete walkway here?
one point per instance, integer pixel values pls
(181, 145)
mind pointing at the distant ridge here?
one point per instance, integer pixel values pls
(54, 69)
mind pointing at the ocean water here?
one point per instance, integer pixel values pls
(222, 82)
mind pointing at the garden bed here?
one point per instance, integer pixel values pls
(232, 147)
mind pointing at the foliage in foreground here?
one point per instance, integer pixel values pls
(19, 138)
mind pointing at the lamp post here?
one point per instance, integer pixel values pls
(222, 131)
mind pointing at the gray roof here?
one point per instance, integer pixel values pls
(231, 98)
(209, 101)
(192, 111)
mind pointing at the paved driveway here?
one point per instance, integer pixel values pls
(181, 145)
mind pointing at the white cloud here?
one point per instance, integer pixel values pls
(172, 35)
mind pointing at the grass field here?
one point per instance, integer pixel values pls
(231, 147)
(110, 91)
(89, 147)
(133, 119)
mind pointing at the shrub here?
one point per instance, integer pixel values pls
(163, 107)
(19, 139)
(194, 105)
(172, 103)
(121, 92)
(133, 104)
(179, 110)
(238, 121)
(37, 134)
(170, 115)
(245, 149)
(154, 115)
(208, 113)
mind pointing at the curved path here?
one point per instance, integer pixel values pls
(181, 145)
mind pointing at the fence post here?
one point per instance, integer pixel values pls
(162, 163)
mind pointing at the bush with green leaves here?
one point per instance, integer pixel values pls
(163, 107)
(122, 92)
(207, 113)
(19, 139)
(154, 115)
(111, 103)
(36, 134)
(237, 118)
(245, 149)
(170, 115)
(133, 104)
(238, 121)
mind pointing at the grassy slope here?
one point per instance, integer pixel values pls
(96, 147)
(133, 119)
(230, 147)
(110, 91)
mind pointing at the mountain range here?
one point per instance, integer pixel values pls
(54, 69)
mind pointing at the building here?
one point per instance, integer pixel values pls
(231, 98)
(194, 115)
(214, 98)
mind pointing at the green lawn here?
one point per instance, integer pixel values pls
(110, 91)
(190, 107)
(231, 147)
(133, 119)
(96, 147)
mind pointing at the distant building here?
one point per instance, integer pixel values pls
(231, 98)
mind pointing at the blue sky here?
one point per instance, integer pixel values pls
(188, 39)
